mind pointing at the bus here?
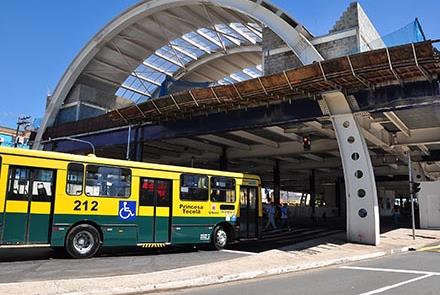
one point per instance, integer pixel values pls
(80, 204)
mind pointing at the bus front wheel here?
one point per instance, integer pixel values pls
(83, 241)
(220, 238)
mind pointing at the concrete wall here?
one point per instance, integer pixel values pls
(338, 47)
(352, 33)
(86, 101)
(92, 95)
(277, 57)
(429, 204)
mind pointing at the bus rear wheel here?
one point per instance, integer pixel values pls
(220, 238)
(83, 241)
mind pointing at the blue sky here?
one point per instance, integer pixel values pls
(41, 37)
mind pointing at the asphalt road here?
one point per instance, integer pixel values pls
(18, 265)
(406, 274)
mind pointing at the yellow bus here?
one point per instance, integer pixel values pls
(82, 203)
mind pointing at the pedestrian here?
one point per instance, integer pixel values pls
(271, 210)
(396, 215)
(285, 216)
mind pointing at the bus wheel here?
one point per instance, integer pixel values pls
(83, 241)
(220, 238)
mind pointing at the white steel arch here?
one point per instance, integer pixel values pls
(263, 11)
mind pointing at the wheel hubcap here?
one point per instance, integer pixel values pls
(221, 238)
(83, 242)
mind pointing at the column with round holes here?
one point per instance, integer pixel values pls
(360, 185)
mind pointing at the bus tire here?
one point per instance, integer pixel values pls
(220, 238)
(83, 241)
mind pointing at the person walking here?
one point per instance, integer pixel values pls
(285, 216)
(271, 210)
(396, 215)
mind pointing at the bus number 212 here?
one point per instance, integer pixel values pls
(79, 206)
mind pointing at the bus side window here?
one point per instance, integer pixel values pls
(222, 189)
(38, 182)
(75, 179)
(43, 183)
(193, 187)
(104, 181)
(18, 184)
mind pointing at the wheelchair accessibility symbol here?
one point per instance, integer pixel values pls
(127, 210)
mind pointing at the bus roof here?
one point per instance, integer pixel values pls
(125, 163)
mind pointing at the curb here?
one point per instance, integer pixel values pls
(213, 280)
(136, 284)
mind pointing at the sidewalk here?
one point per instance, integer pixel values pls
(316, 253)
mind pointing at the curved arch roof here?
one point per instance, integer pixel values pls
(158, 35)
(221, 53)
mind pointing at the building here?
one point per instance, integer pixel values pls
(7, 137)
(362, 104)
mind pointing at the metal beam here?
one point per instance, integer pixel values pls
(256, 138)
(281, 131)
(424, 136)
(196, 144)
(398, 123)
(320, 129)
(225, 141)
(313, 157)
(285, 149)
(208, 58)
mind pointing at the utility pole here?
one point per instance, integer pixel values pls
(411, 190)
(20, 122)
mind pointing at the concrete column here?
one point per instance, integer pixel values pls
(138, 147)
(330, 195)
(312, 189)
(276, 182)
(223, 161)
(360, 185)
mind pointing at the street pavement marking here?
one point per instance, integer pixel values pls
(238, 252)
(386, 288)
(425, 274)
(431, 249)
(418, 272)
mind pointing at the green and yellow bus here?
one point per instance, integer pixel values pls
(82, 203)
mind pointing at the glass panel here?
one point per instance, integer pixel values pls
(39, 181)
(222, 189)
(163, 193)
(42, 185)
(194, 187)
(147, 192)
(75, 179)
(252, 198)
(108, 181)
(18, 186)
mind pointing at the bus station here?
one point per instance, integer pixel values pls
(237, 100)
(358, 104)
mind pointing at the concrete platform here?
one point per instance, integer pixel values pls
(312, 254)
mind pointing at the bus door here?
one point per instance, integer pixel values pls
(155, 210)
(28, 205)
(248, 212)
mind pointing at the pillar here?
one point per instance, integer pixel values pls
(276, 182)
(223, 161)
(312, 190)
(137, 148)
(360, 185)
